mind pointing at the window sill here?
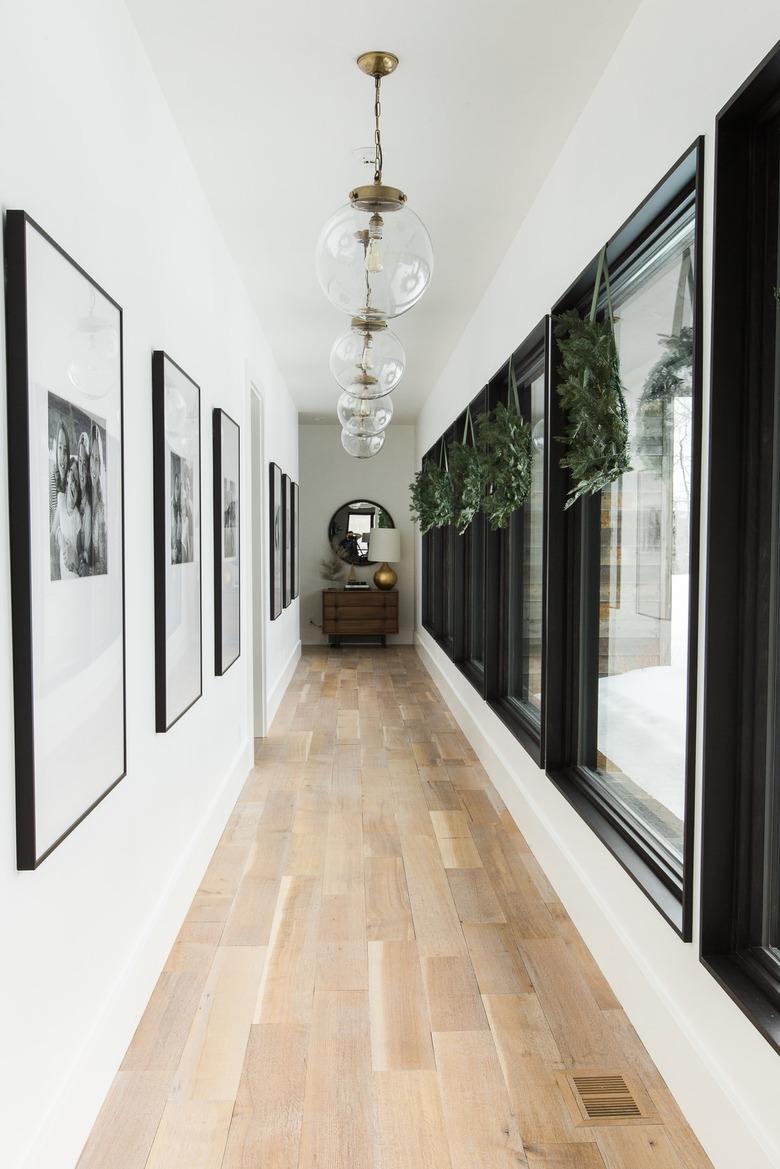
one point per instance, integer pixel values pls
(628, 853)
(733, 973)
(528, 735)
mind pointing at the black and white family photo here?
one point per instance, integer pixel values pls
(229, 524)
(181, 510)
(77, 492)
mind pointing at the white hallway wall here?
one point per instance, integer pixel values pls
(89, 149)
(330, 477)
(677, 64)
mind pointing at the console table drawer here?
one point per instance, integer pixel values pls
(359, 612)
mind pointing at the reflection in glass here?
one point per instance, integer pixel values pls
(645, 517)
(523, 597)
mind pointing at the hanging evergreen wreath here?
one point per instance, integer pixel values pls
(505, 441)
(431, 504)
(592, 398)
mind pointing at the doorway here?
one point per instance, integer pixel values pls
(259, 545)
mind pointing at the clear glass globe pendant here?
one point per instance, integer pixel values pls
(368, 360)
(362, 416)
(374, 255)
(362, 446)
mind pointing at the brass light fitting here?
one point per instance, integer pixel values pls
(377, 196)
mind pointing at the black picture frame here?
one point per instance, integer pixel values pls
(27, 248)
(276, 539)
(296, 531)
(287, 543)
(227, 526)
(162, 454)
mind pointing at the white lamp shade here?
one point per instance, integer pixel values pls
(384, 544)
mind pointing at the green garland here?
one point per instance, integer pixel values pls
(592, 398)
(432, 504)
(468, 483)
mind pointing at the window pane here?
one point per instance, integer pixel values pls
(523, 597)
(475, 589)
(645, 515)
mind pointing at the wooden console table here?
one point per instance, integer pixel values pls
(359, 613)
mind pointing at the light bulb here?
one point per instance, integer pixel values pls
(367, 361)
(362, 446)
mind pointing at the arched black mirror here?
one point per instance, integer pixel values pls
(349, 528)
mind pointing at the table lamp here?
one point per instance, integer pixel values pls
(384, 544)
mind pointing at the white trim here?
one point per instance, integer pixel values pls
(716, 1108)
(285, 678)
(258, 711)
(67, 1123)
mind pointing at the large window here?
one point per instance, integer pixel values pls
(740, 910)
(622, 742)
(472, 657)
(516, 559)
(483, 592)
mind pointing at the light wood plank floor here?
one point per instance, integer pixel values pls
(375, 971)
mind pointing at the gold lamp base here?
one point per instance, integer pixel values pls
(385, 577)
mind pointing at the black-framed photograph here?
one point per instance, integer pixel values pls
(178, 622)
(276, 533)
(287, 528)
(227, 546)
(296, 527)
(66, 498)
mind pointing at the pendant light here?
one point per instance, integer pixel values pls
(362, 446)
(374, 255)
(368, 360)
(363, 416)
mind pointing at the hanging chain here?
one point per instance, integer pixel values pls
(377, 133)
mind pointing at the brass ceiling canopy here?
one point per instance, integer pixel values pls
(376, 197)
(377, 63)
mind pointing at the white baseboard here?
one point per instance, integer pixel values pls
(69, 1120)
(698, 1073)
(276, 695)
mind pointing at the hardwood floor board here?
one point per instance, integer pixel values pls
(436, 922)
(252, 914)
(388, 910)
(400, 1027)
(162, 1032)
(450, 824)
(411, 1122)
(481, 806)
(514, 889)
(496, 959)
(381, 837)
(459, 852)
(454, 1000)
(481, 1130)
(192, 1135)
(125, 1128)
(441, 796)
(279, 812)
(344, 853)
(266, 1125)
(339, 1128)
(474, 896)
(342, 960)
(566, 1156)
(286, 991)
(638, 1147)
(529, 1056)
(578, 1025)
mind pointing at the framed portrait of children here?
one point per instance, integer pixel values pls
(66, 496)
(178, 625)
(287, 544)
(227, 549)
(296, 528)
(276, 531)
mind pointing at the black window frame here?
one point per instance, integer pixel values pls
(573, 581)
(466, 613)
(740, 769)
(530, 357)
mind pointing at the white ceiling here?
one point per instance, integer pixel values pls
(271, 107)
